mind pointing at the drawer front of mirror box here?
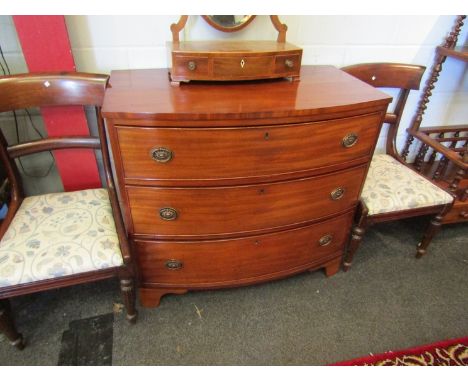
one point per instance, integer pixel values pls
(227, 210)
(242, 67)
(228, 153)
(224, 261)
(197, 67)
(288, 64)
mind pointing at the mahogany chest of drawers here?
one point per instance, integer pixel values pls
(229, 184)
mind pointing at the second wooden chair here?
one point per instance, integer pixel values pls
(393, 190)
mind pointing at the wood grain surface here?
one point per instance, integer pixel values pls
(217, 262)
(241, 209)
(226, 153)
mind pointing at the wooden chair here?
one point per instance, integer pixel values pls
(66, 238)
(392, 189)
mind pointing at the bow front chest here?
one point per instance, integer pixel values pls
(229, 184)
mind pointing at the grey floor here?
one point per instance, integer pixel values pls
(389, 300)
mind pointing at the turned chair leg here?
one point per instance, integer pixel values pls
(356, 237)
(434, 227)
(128, 295)
(357, 234)
(7, 326)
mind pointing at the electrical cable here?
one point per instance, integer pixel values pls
(15, 116)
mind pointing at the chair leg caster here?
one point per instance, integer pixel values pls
(7, 326)
(132, 318)
(19, 343)
(420, 252)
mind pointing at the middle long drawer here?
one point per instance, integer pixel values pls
(194, 211)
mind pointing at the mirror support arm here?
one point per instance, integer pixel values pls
(280, 27)
(177, 27)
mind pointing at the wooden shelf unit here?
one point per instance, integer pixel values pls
(443, 152)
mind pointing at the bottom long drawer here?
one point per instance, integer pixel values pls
(221, 262)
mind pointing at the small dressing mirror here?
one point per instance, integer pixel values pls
(233, 60)
(228, 23)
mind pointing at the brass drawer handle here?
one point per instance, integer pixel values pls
(350, 140)
(337, 193)
(289, 63)
(192, 65)
(161, 154)
(325, 240)
(168, 213)
(464, 214)
(174, 265)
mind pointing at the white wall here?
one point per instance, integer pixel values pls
(104, 43)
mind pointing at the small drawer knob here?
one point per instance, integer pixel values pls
(161, 154)
(464, 214)
(168, 213)
(337, 193)
(289, 63)
(350, 140)
(325, 240)
(174, 265)
(192, 65)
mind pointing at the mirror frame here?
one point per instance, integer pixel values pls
(278, 25)
(228, 29)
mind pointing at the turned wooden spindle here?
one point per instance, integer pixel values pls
(406, 149)
(434, 153)
(420, 157)
(436, 68)
(460, 174)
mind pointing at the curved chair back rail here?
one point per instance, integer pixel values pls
(48, 144)
(388, 75)
(405, 77)
(52, 89)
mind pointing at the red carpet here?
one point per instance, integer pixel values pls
(444, 353)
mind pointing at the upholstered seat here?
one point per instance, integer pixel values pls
(390, 186)
(59, 234)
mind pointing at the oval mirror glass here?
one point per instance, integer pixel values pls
(228, 23)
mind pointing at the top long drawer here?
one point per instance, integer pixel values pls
(228, 153)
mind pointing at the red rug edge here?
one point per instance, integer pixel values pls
(397, 353)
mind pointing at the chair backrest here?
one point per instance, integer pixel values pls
(50, 89)
(390, 75)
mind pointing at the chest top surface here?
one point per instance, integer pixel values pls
(147, 94)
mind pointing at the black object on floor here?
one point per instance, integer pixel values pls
(88, 342)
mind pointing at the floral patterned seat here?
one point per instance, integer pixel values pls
(391, 186)
(59, 234)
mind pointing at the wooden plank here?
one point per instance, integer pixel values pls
(46, 48)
